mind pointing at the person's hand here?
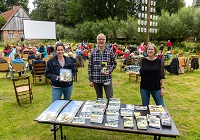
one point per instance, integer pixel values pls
(162, 92)
(91, 84)
(106, 72)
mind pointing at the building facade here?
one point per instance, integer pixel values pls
(14, 28)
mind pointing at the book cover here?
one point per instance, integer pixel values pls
(126, 112)
(78, 120)
(114, 105)
(104, 67)
(130, 106)
(128, 122)
(65, 75)
(136, 114)
(138, 107)
(112, 123)
(114, 100)
(154, 122)
(156, 110)
(141, 122)
(166, 120)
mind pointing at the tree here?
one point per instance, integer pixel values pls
(23, 3)
(3, 7)
(128, 28)
(57, 11)
(2, 21)
(172, 6)
(40, 12)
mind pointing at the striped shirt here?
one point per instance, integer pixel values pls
(95, 65)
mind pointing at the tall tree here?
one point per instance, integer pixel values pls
(57, 11)
(3, 6)
(40, 10)
(171, 6)
(23, 3)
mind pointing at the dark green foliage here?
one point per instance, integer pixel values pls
(2, 21)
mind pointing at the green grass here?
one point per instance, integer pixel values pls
(181, 99)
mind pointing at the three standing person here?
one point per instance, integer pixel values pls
(101, 64)
(152, 77)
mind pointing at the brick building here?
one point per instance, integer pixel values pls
(14, 29)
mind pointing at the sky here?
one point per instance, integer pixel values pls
(30, 4)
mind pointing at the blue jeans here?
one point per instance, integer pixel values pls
(57, 93)
(145, 95)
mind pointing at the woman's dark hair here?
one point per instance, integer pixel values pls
(60, 44)
(31, 52)
(16, 55)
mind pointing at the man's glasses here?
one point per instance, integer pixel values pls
(101, 39)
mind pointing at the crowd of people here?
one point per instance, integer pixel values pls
(101, 63)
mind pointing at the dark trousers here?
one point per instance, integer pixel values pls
(107, 88)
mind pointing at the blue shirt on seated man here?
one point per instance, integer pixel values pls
(17, 59)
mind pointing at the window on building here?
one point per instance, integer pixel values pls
(11, 35)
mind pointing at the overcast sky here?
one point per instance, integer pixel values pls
(30, 5)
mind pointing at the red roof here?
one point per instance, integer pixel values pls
(10, 13)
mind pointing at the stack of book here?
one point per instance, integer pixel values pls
(78, 120)
(128, 122)
(156, 110)
(112, 114)
(87, 109)
(114, 103)
(138, 107)
(153, 121)
(98, 111)
(112, 123)
(97, 116)
(136, 114)
(130, 106)
(141, 122)
(126, 112)
(166, 120)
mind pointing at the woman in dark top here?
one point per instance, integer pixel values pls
(152, 77)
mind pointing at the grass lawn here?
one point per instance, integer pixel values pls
(182, 98)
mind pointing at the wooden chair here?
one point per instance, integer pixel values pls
(76, 74)
(136, 75)
(128, 62)
(38, 73)
(25, 56)
(18, 67)
(7, 59)
(46, 59)
(4, 67)
(22, 88)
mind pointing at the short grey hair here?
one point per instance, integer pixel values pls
(101, 34)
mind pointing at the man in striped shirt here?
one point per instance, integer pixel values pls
(101, 64)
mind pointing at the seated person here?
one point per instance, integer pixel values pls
(7, 50)
(14, 51)
(31, 56)
(70, 55)
(38, 60)
(17, 60)
(160, 55)
(2, 60)
(126, 56)
(43, 50)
